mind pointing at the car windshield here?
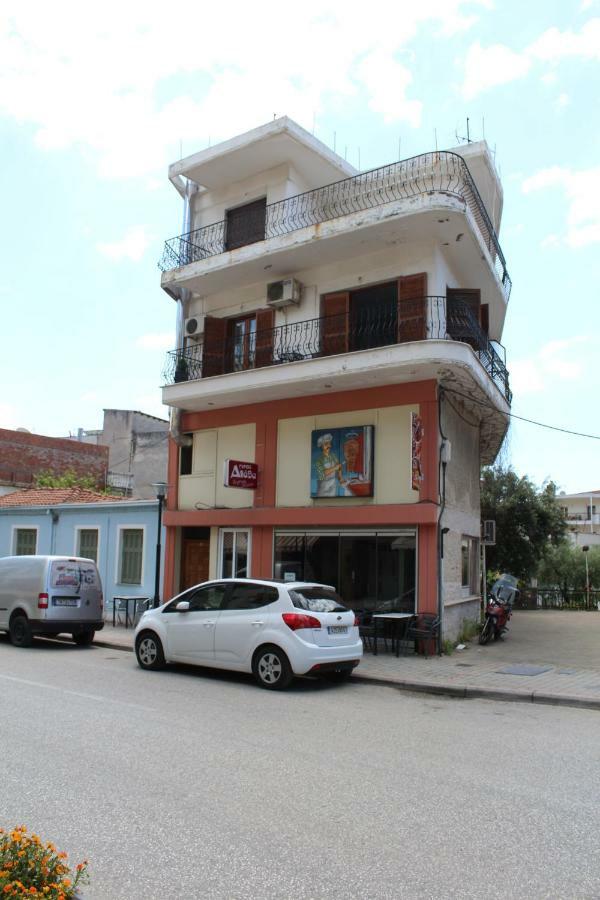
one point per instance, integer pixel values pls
(316, 599)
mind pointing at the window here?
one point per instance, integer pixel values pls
(185, 458)
(25, 541)
(242, 343)
(207, 598)
(469, 557)
(87, 544)
(130, 556)
(235, 554)
(591, 511)
(316, 600)
(251, 596)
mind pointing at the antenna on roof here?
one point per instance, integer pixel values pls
(464, 140)
(435, 135)
(399, 148)
(180, 148)
(359, 159)
(483, 126)
(346, 152)
(314, 120)
(334, 140)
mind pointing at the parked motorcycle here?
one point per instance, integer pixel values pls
(499, 608)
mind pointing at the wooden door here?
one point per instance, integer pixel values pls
(194, 562)
(265, 323)
(412, 308)
(334, 323)
(213, 353)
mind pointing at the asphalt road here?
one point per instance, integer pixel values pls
(191, 784)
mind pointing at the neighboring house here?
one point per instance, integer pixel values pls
(24, 455)
(582, 512)
(119, 534)
(340, 331)
(137, 446)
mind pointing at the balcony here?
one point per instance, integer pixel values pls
(423, 320)
(444, 175)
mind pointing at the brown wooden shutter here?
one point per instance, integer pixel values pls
(213, 354)
(412, 308)
(458, 322)
(265, 323)
(335, 310)
(484, 317)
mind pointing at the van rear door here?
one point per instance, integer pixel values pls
(75, 592)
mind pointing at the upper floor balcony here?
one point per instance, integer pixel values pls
(356, 215)
(438, 338)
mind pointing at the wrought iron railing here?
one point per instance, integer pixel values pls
(557, 598)
(428, 173)
(426, 318)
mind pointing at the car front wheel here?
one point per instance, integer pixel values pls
(149, 651)
(271, 668)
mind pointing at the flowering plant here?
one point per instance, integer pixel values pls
(30, 868)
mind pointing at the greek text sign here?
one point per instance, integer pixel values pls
(240, 474)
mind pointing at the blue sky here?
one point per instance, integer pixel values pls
(94, 104)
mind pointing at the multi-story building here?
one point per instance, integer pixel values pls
(137, 447)
(340, 331)
(582, 512)
(24, 455)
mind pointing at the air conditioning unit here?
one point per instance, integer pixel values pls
(283, 293)
(194, 326)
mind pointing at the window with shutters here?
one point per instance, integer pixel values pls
(245, 224)
(131, 548)
(25, 541)
(87, 543)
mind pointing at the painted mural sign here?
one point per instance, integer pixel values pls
(417, 450)
(341, 463)
(240, 474)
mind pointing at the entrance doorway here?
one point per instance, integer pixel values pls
(195, 553)
(374, 316)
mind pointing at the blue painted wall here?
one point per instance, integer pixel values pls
(60, 538)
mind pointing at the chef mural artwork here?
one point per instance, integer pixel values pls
(342, 462)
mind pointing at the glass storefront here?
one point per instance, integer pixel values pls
(371, 570)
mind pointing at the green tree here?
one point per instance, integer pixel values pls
(528, 521)
(67, 479)
(564, 567)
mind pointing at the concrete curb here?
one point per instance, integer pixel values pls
(451, 690)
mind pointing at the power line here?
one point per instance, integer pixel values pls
(594, 437)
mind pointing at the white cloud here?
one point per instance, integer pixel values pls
(561, 360)
(582, 192)
(488, 67)
(156, 341)
(132, 245)
(127, 82)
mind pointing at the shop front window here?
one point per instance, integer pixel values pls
(370, 570)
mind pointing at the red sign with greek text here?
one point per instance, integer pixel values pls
(240, 474)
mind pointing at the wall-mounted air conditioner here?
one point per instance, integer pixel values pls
(284, 293)
(194, 326)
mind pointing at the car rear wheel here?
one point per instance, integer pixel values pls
(20, 631)
(84, 638)
(149, 651)
(271, 668)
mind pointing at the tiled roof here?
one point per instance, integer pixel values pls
(54, 497)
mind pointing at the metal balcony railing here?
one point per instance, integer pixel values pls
(434, 318)
(428, 173)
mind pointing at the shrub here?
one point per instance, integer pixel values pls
(31, 868)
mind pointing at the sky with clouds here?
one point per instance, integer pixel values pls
(95, 101)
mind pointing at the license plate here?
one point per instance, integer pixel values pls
(337, 629)
(64, 601)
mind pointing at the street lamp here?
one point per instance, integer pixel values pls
(585, 549)
(161, 489)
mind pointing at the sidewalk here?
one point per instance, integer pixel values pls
(476, 671)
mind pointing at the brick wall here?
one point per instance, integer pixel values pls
(23, 455)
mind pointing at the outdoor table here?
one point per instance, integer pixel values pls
(398, 618)
(126, 600)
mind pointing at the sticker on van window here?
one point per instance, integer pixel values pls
(65, 575)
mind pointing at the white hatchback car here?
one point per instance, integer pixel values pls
(273, 629)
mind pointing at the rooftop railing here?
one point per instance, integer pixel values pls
(434, 318)
(428, 173)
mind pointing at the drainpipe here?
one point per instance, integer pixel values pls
(443, 460)
(187, 190)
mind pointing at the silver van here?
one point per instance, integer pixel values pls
(50, 595)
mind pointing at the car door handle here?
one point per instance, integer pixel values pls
(208, 624)
(258, 623)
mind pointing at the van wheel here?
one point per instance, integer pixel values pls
(149, 651)
(271, 668)
(20, 631)
(84, 638)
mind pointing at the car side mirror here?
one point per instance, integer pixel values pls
(183, 606)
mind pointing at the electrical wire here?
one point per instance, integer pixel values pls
(594, 437)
